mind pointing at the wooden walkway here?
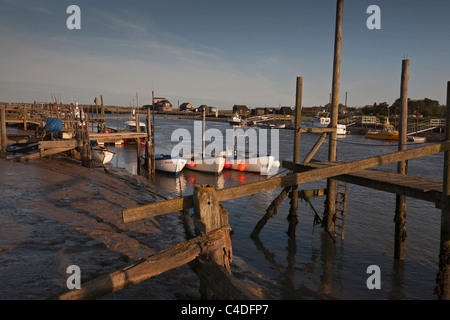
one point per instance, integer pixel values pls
(410, 186)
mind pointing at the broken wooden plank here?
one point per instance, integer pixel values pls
(144, 269)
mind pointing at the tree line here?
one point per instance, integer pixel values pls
(423, 107)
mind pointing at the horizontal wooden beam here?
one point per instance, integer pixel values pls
(144, 269)
(58, 144)
(289, 180)
(46, 153)
(317, 130)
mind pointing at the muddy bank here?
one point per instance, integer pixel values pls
(56, 213)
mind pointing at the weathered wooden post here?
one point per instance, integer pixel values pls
(25, 113)
(86, 158)
(331, 184)
(138, 143)
(102, 114)
(149, 148)
(3, 137)
(210, 215)
(443, 277)
(400, 203)
(292, 217)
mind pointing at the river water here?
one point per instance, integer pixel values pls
(311, 266)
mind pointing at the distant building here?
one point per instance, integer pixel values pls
(187, 106)
(259, 111)
(285, 110)
(241, 109)
(162, 104)
(343, 110)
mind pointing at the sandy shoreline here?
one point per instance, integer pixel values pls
(56, 213)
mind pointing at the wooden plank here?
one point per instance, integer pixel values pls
(58, 144)
(46, 153)
(155, 209)
(317, 130)
(288, 180)
(144, 269)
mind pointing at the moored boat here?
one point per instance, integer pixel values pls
(101, 154)
(387, 133)
(235, 120)
(130, 126)
(206, 164)
(265, 165)
(167, 164)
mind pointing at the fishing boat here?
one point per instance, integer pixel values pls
(387, 133)
(235, 120)
(265, 165)
(165, 163)
(101, 154)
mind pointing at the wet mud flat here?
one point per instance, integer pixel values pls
(55, 213)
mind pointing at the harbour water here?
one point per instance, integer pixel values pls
(311, 266)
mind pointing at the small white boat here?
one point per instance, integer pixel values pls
(235, 120)
(206, 164)
(101, 155)
(341, 129)
(320, 120)
(167, 164)
(264, 165)
(130, 126)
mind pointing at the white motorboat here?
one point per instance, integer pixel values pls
(167, 164)
(101, 155)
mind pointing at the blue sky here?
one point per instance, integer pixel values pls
(220, 52)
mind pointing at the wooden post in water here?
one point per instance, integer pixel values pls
(400, 203)
(292, 217)
(443, 277)
(138, 143)
(3, 137)
(149, 148)
(330, 202)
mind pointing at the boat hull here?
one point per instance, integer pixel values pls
(170, 165)
(265, 165)
(101, 155)
(381, 136)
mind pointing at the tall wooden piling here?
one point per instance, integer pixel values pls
(443, 277)
(3, 137)
(331, 184)
(400, 203)
(292, 217)
(138, 142)
(149, 148)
